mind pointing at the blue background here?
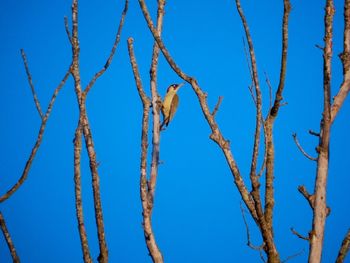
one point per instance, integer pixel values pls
(197, 214)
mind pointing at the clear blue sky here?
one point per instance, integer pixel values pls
(197, 216)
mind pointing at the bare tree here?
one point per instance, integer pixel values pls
(317, 200)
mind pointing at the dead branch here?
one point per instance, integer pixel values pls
(66, 26)
(310, 198)
(320, 210)
(111, 54)
(29, 77)
(299, 235)
(249, 243)
(317, 134)
(293, 256)
(344, 249)
(269, 189)
(37, 144)
(217, 106)
(270, 90)
(78, 195)
(8, 239)
(301, 148)
(345, 58)
(216, 134)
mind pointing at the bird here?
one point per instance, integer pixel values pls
(170, 103)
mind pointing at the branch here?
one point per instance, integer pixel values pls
(111, 54)
(66, 26)
(344, 249)
(216, 134)
(217, 106)
(299, 235)
(293, 256)
(37, 144)
(301, 148)
(8, 239)
(147, 203)
(269, 190)
(249, 243)
(345, 58)
(78, 196)
(36, 100)
(310, 198)
(89, 144)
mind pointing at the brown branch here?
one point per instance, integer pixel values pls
(310, 198)
(269, 189)
(147, 202)
(320, 210)
(345, 58)
(217, 106)
(299, 235)
(216, 134)
(270, 90)
(301, 148)
(111, 54)
(8, 239)
(89, 144)
(66, 26)
(317, 134)
(37, 144)
(29, 76)
(344, 249)
(249, 243)
(293, 256)
(78, 196)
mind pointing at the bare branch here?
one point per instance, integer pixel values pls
(344, 249)
(66, 26)
(299, 235)
(293, 256)
(345, 58)
(270, 90)
(317, 134)
(269, 190)
(310, 198)
(143, 96)
(249, 243)
(37, 144)
(217, 106)
(89, 144)
(216, 134)
(111, 54)
(36, 100)
(78, 196)
(8, 239)
(301, 148)
(320, 210)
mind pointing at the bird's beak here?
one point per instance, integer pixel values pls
(181, 84)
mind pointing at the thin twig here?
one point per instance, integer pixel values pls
(344, 248)
(66, 26)
(310, 198)
(37, 144)
(301, 148)
(299, 235)
(249, 243)
(217, 106)
(8, 239)
(29, 76)
(317, 134)
(270, 90)
(111, 54)
(293, 256)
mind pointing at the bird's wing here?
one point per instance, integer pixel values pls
(173, 107)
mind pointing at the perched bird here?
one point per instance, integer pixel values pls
(170, 103)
